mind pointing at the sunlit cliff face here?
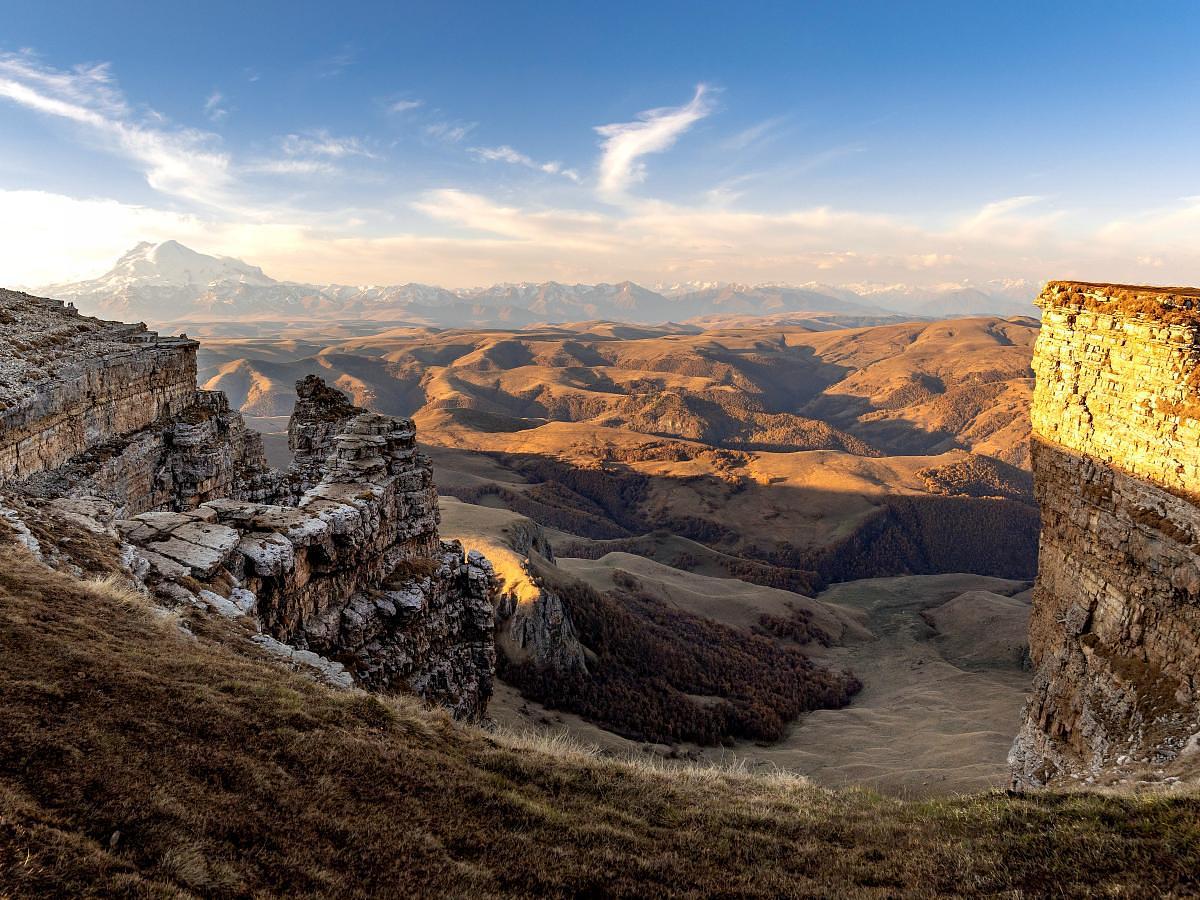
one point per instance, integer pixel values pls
(1115, 629)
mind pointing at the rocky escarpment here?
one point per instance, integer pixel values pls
(1115, 633)
(69, 384)
(354, 572)
(337, 561)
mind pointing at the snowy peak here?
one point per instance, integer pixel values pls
(174, 265)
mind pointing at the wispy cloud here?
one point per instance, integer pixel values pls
(337, 62)
(758, 133)
(998, 210)
(450, 132)
(565, 229)
(311, 153)
(322, 143)
(290, 166)
(505, 153)
(1021, 221)
(215, 108)
(822, 157)
(182, 162)
(403, 105)
(655, 130)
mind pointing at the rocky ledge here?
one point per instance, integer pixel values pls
(337, 561)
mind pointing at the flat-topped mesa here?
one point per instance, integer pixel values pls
(1115, 632)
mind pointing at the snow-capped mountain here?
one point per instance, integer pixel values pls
(169, 273)
(168, 285)
(172, 263)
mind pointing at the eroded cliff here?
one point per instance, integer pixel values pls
(1115, 633)
(337, 562)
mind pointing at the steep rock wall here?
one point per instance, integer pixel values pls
(532, 622)
(1115, 632)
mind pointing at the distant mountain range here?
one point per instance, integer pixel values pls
(170, 284)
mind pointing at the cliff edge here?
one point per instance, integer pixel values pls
(1115, 631)
(109, 451)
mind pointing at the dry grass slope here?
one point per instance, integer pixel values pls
(137, 761)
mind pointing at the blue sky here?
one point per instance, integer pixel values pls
(462, 144)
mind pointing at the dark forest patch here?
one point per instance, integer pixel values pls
(651, 661)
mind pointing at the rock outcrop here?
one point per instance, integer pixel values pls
(1115, 633)
(532, 622)
(320, 415)
(338, 559)
(69, 384)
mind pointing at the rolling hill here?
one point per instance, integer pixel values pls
(659, 490)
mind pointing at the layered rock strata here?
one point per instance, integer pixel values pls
(69, 384)
(1115, 632)
(320, 415)
(338, 559)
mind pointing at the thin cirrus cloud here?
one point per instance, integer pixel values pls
(290, 167)
(337, 62)
(214, 107)
(323, 144)
(656, 130)
(505, 153)
(449, 132)
(756, 135)
(398, 107)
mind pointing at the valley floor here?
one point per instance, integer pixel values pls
(942, 692)
(142, 759)
(926, 721)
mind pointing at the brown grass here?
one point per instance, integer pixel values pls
(136, 761)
